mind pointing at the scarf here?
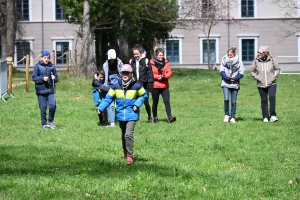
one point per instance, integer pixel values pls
(232, 64)
(159, 64)
(125, 85)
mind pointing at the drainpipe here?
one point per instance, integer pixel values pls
(228, 28)
(42, 25)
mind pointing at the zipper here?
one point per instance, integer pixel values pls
(266, 79)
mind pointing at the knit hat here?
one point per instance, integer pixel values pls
(111, 54)
(126, 68)
(45, 53)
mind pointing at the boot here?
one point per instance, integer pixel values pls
(104, 118)
(100, 118)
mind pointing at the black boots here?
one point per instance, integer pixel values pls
(103, 118)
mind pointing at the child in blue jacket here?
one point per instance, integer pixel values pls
(129, 96)
(99, 93)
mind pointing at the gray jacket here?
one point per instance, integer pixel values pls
(265, 72)
(231, 70)
(107, 80)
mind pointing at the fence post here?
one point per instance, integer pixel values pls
(67, 62)
(27, 73)
(10, 67)
(53, 58)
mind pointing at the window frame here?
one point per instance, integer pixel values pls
(211, 37)
(29, 11)
(55, 40)
(179, 38)
(248, 37)
(254, 9)
(30, 41)
(54, 11)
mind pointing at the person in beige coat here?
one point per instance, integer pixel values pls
(265, 71)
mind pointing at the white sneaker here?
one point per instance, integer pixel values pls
(232, 120)
(265, 120)
(112, 124)
(226, 118)
(273, 119)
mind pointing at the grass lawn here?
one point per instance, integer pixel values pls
(197, 157)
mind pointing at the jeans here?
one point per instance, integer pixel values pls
(111, 112)
(264, 92)
(234, 93)
(45, 101)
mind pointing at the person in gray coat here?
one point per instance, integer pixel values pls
(265, 71)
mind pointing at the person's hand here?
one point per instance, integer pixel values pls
(99, 112)
(45, 78)
(162, 77)
(135, 108)
(53, 77)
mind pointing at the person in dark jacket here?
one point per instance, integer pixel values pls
(129, 96)
(142, 73)
(44, 75)
(99, 93)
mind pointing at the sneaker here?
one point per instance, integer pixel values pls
(129, 160)
(226, 118)
(112, 124)
(172, 119)
(273, 119)
(44, 127)
(265, 120)
(150, 120)
(155, 120)
(232, 120)
(51, 125)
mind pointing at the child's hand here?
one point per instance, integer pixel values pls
(135, 108)
(99, 112)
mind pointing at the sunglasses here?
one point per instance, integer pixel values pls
(125, 73)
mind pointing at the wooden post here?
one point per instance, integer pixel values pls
(53, 57)
(67, 62)
(10, 67)
(27, 73)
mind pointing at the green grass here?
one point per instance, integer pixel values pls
(197, 157)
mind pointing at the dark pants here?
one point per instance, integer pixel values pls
(165, 93)
(44, 101)
(147, 106)
(264, 93)
(127, 129)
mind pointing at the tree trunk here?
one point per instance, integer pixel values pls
(3, 54)
(11, 27)
(88, 65)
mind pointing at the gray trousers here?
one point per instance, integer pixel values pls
(127, 129)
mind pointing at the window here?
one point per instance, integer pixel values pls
(22, 7)
(248, 8)
(61, 46)
(207, 9)
(173, 50)
(59, 13)
(213, 49)
(22, 48)
(247, 47)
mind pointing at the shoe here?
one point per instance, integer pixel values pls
(106, 124)
(155, 120)
(226, 118)
(273, 119)
(51, 125)
(125, 154)
(232, 120)
(112, 124)
(172, 119)
(44, 127)
(265, 120)
(150, 120)
(129, 160)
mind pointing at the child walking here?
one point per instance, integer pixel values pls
(129, 96)
(99, 93)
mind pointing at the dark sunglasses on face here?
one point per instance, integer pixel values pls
(125, 73)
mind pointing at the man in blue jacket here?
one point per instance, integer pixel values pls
(44, 75)
(129, 96)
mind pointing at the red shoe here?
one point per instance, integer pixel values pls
(129, 160)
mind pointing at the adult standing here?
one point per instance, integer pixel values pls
(231, 70)
(265, 71)
(161, 74)
(142, 73)
(112, 68)
(44, 75)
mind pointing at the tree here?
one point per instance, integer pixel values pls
(11, 27)
(205, 15)
(120, 24)
(2, 29)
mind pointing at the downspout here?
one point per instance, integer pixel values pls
(42, 25)
(228, 28)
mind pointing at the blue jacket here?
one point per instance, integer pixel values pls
(134, 95)
(40, 70)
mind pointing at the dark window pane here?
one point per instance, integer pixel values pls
(172, 51)
(23, 48)
(248, 50)
(212, 51)
(61, 48)
(247, 8)
(59, 12)
(22, 7)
